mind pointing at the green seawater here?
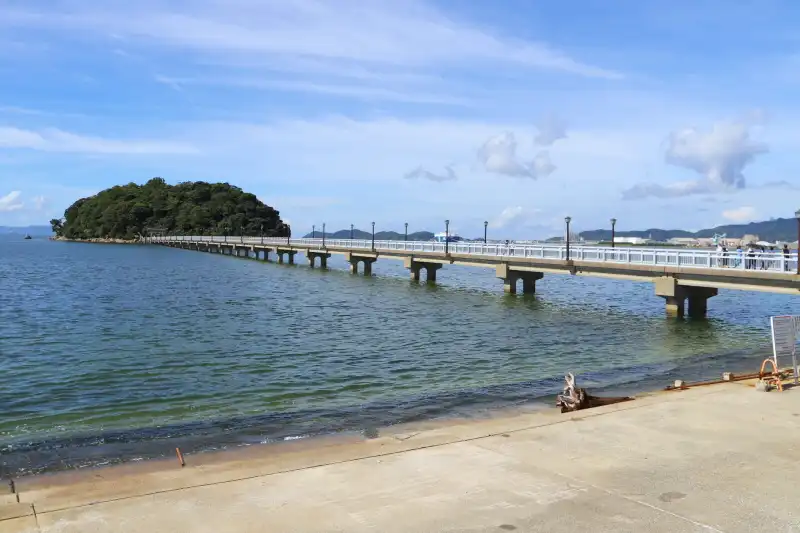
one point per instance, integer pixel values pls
(114, 352)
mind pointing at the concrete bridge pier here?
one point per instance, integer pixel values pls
(698, 300)
(415, 267)
(511, 277)
(286, 253)
(313, 256)
(354, 260)
(676, 296)
(264, 253)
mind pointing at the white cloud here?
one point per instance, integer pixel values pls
(514, 217)
(11, 202)
(498, 155)
(55, 140)
(740, 214)
(719, 155)
(421, 173)
(508, 216)
(407, 33)
(669, 190)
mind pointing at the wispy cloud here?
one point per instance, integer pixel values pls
(55, 140)
(780, 184)
(421, 173)
(551, 129)
(361, 92)
(668, 190)
(39, 202)
(400, 33)
(11, 202)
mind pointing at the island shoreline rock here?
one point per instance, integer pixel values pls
(99, 240)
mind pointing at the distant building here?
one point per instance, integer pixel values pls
(684, 241)
(631, 240)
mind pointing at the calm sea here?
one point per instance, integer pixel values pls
(111, 353)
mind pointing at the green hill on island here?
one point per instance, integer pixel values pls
(127, 211)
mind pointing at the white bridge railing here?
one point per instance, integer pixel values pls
(774, 261)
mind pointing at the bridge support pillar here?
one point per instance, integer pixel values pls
(313, 256)
(511, 277)
(676, 296)
(354, 260)
(698, 300)
(415, 267)
(288, 254)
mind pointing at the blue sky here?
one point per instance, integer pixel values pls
(661, 114)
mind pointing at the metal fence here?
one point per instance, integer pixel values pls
(773, 261)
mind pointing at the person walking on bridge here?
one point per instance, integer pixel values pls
(785, 257)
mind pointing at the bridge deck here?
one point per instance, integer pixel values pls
(770, 271)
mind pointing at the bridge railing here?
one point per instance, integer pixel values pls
(769, 261)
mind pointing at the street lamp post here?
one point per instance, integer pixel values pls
(613, 230)
(225, 233)
(262, 234)
(323, 235)
(485, 230)
(567, 220)
(351, 232)
(373, 236)
(797, 214)
(241, 233)
(446, 236)
(406, 237)
(313, 232)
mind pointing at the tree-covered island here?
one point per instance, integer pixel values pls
(126, 212)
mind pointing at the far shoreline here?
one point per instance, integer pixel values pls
(97, 240)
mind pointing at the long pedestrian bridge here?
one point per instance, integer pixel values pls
(679, 275)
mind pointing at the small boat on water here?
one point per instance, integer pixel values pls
(27, 237)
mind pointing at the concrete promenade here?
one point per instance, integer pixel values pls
(720, 458)
(680, 277)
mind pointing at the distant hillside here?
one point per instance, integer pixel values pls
(379, 235)
(779, 229)
(36, 231)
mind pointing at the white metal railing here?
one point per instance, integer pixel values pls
(773, 261)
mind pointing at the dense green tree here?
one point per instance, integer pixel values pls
(127, 211)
